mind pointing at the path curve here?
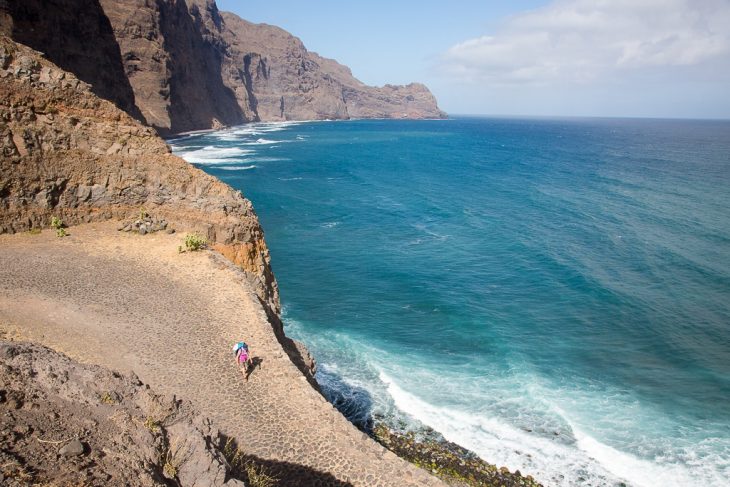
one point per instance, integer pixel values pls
(133, 303)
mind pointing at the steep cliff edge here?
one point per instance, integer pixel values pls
(178, 65)
(182, 65)
(78, 37)
(67, 423)
(68, 153)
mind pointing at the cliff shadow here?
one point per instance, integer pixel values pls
(78, 37)
(198, 96)
(285, 473)
(297, 353)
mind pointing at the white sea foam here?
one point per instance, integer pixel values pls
(237, 168)
(555, 461)
(214, 155)
(262, 141)
(274, 126)
(644, 473)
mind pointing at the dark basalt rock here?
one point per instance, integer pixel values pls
(452, 463)
(184, 65)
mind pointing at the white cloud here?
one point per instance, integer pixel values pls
(577, 41)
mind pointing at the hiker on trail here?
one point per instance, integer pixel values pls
(243, 358)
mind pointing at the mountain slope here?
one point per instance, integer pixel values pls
(182, 65)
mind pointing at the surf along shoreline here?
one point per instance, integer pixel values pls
(130, 301)
(425, 448)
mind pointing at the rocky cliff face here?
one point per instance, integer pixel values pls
(191, 67)
(178, 65)
(78, 37)
(68, 153)
(66, 423)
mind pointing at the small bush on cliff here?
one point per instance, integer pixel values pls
(57, 224)
(244, 467)
(171, 459)
(193, 242)
(257, 476)
(151, 424)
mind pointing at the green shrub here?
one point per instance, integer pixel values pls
(61, 232)
(151, 424)
(107, 398)
(171, 460)
(56, 223)
(194, 242)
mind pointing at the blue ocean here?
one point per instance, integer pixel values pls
(553, 294)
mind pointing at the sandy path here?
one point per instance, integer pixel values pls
(134, 303)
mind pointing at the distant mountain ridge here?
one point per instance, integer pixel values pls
(183, 65)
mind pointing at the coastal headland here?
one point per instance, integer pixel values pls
(133, 303)
(184, 65)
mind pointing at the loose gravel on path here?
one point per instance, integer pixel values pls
(133, 302)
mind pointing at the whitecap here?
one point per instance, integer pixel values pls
(576, 458)
(262, 141)
(214, 155)
(550, 461)
(268, 159)
(237, 168)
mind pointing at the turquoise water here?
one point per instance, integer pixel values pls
(552, 294)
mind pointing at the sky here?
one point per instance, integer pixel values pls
(633, 58)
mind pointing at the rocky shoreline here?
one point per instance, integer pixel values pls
(452, 463)
(70, 154)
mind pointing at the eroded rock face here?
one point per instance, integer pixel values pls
(178, 64)
(66, 423)
(78, 37)
(68, 153)
(182, 65)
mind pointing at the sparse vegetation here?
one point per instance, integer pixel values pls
(171, 461)
(57, 224)
(143, 214)
(151, 424)
(193, 242)
(255, 474)
(107, 398)
(34, 231)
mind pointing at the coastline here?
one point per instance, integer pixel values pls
(88, 295)
(450, 462)
(100, 257)
(180, 135)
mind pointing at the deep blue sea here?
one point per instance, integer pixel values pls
(551, 294)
